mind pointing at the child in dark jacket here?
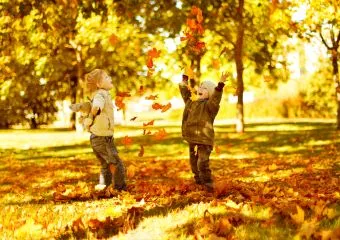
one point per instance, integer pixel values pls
(197, 126)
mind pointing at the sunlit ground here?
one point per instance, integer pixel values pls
(278, 180)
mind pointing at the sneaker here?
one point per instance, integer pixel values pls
(100, 187)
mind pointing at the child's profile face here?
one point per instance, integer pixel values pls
(105, 82)
(202, 93)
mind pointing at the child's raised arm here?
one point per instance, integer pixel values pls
(183, 87)
(215, 99)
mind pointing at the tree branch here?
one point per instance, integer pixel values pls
(338, 40)
(323, 40)
(226, 37)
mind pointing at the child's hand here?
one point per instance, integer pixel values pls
(75, 107)
(185, 79)
(224, 76)
(87, 122)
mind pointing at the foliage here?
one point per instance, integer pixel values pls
(272, 187)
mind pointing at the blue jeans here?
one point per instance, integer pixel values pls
(107, 154)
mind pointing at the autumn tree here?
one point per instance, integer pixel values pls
(322, 20)
(57, 42)
(248, 31)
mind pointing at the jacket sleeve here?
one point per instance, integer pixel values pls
(185, 92)
(214, 101)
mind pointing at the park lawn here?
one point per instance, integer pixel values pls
(278, 180)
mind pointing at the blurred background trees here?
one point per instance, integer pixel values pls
(48, 46)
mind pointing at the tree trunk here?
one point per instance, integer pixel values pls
(73, 87)
(33, 123)
(337, 84)
(239, 68)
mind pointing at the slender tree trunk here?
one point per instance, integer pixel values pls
(239, 68)
(73, 87)
(337, 84)
(80, 83)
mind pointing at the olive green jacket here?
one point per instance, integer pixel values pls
(199, 116)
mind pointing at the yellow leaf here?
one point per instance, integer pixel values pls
(272, 167)
(131, 171)
(299, 217)
(308, 229)
(330, 213)
(30, 230)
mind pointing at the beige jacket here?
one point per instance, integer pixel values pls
(103, 124)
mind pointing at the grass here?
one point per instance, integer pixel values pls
(261, 176)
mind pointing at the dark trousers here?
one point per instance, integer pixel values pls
(107, 154)
(199, 161)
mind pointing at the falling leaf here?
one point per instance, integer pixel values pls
(217, 149)
(141, 90)
(133, 119)
(146, 132)
(216, 63)
(199, 16)
(151, 97)
(113, 39)
(160, 134)
(166, 107)
(149, 123)
(126, 141)
(119, 103)
(154, 53)
(123, 94)
(191, 23)
(157, 106)
(299, 217)
(149, 63)
(141, 151)
(189, 72)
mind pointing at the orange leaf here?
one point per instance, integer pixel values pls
(154, 53)
(141, 90)
(161, 134)
(216, 63)
(119, 103)
(194, 10)
(199, 16)
(113, 40)
(149, 123)
(123, 94)
(133, 119)
(131, 171)
(149, 63)
(141, 151)
(146, 132)
(157, 106)
(127, 141)
(152, 97)
(217, 149)
(191, 23)
(166, 107)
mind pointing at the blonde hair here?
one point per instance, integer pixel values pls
(93, 78)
